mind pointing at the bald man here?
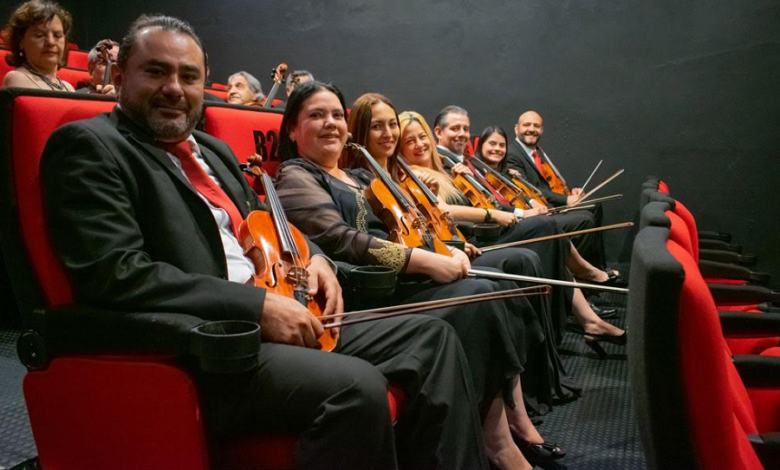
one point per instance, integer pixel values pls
(521, 156)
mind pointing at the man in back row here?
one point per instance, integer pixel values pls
(144, 214)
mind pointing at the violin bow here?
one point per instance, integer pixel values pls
(541, 280)
(590, 193)
(396, 310)
(556, 236)
(591, 175)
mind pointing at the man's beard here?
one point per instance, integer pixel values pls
(524, 139)
(160, 127)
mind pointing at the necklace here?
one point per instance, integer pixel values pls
(60, 86)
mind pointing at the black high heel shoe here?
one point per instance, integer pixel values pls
(539, 453)
(613, 280)
(592, 340)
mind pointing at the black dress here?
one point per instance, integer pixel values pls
(499, 337)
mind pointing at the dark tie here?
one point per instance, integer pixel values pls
(203, 182)
(537, 161)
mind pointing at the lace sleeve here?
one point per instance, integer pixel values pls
(314, 210)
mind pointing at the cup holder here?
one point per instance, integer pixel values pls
(226, 347)
(487, 233)
(372, 282)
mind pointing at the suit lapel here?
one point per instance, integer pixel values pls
(529, 166)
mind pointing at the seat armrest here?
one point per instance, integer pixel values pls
(751, 325)
(225, 346)
(466, 228)
(767, 447)
(758, 371)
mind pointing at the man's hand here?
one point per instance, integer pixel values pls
(576, 192)
(323, 281)
(286, 321)
(461, 169)
(515, 173)
(106, 89)
(572, 199)
(472, 251)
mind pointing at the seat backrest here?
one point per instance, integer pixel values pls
(690, 221)
(27, 119)
(693, 409)
(4, 67)
(77, 78)
(218, 92)
(77, 59)
(247, 130)
(663, 187)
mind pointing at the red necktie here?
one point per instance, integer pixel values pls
(537, 161)
(203, 182)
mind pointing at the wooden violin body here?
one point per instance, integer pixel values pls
(278, 271)
(517, 199)
(438, 221)
(407, 226)
(555, 180)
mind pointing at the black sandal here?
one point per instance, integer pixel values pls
(544, 452)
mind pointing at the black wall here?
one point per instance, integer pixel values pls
(687, 91)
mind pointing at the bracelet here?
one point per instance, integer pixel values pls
(488, 215)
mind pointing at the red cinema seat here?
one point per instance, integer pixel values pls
(218, 92)
(77, 78)
(4, 66)
(248, 130)
(77, 59)
(697, 407)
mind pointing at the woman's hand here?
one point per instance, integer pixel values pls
(440, 268)
(504, 219)
(428, 180)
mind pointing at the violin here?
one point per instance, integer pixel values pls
(477, 194)
(516, 195)
(439, 221)
(280, 255)
(277, 76)
(553, 176)
(400, 215)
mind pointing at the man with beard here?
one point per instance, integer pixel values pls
(143, 211)
(524, 152)
(525, 156)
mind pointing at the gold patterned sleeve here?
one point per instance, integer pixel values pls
(335, 219)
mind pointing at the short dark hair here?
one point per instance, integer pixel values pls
(441, 118)
(287, 148)
(490, 130)
(165, 23)
(29, 14)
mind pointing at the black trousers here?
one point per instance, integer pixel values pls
(590, 245)
(337, 401)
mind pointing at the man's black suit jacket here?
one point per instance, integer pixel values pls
(517, 159)
(131, 230)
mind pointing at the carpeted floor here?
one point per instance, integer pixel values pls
(599, 431)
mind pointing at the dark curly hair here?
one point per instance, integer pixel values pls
(29, 14)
